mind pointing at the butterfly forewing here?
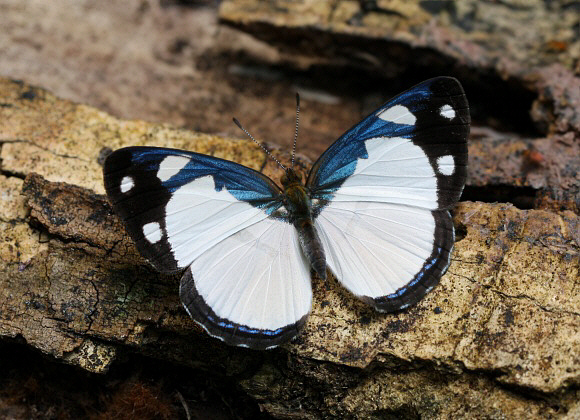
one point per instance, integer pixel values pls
(383, 189)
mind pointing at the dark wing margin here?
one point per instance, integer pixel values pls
(440, 137)
(228, 331)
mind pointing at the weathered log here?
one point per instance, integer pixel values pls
(499, 336)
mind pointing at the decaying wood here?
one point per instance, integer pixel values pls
(510, 38)
(519, 59)
(499, 336)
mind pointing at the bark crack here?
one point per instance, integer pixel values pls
(46, 149)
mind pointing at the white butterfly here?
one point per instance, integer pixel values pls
(374, 210)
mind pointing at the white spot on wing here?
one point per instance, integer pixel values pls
(447, 112)
(170, 166)
(127, 184)
(152, 232)
(446, 165)
(398, 114)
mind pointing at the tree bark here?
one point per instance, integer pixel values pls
(499, 334)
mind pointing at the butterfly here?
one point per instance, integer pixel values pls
(374, 211)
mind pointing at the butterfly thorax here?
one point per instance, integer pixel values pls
(297, 196)
(299, 205)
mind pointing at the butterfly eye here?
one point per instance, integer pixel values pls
(291, 177)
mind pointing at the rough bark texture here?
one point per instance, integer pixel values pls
(469, 34)
(499, 337)
(74, 287)
(511, 56)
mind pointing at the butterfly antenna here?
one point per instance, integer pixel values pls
(296, 131)
(239, 124)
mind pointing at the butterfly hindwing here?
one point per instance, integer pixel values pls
(258, 278)
(382, 190)
(388, 255)
(246, 281)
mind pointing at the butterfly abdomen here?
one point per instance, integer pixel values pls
(311, 245)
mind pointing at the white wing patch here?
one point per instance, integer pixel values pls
(374, 249)
(396, 171)
(198, 217)
(398, 114)
(152, 232)
(378, 230)
(127, 184)
(257, 277)
(170, 166)
(248, 268)
(446, 165)
(446, 111)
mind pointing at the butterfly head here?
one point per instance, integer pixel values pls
(290, 178)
